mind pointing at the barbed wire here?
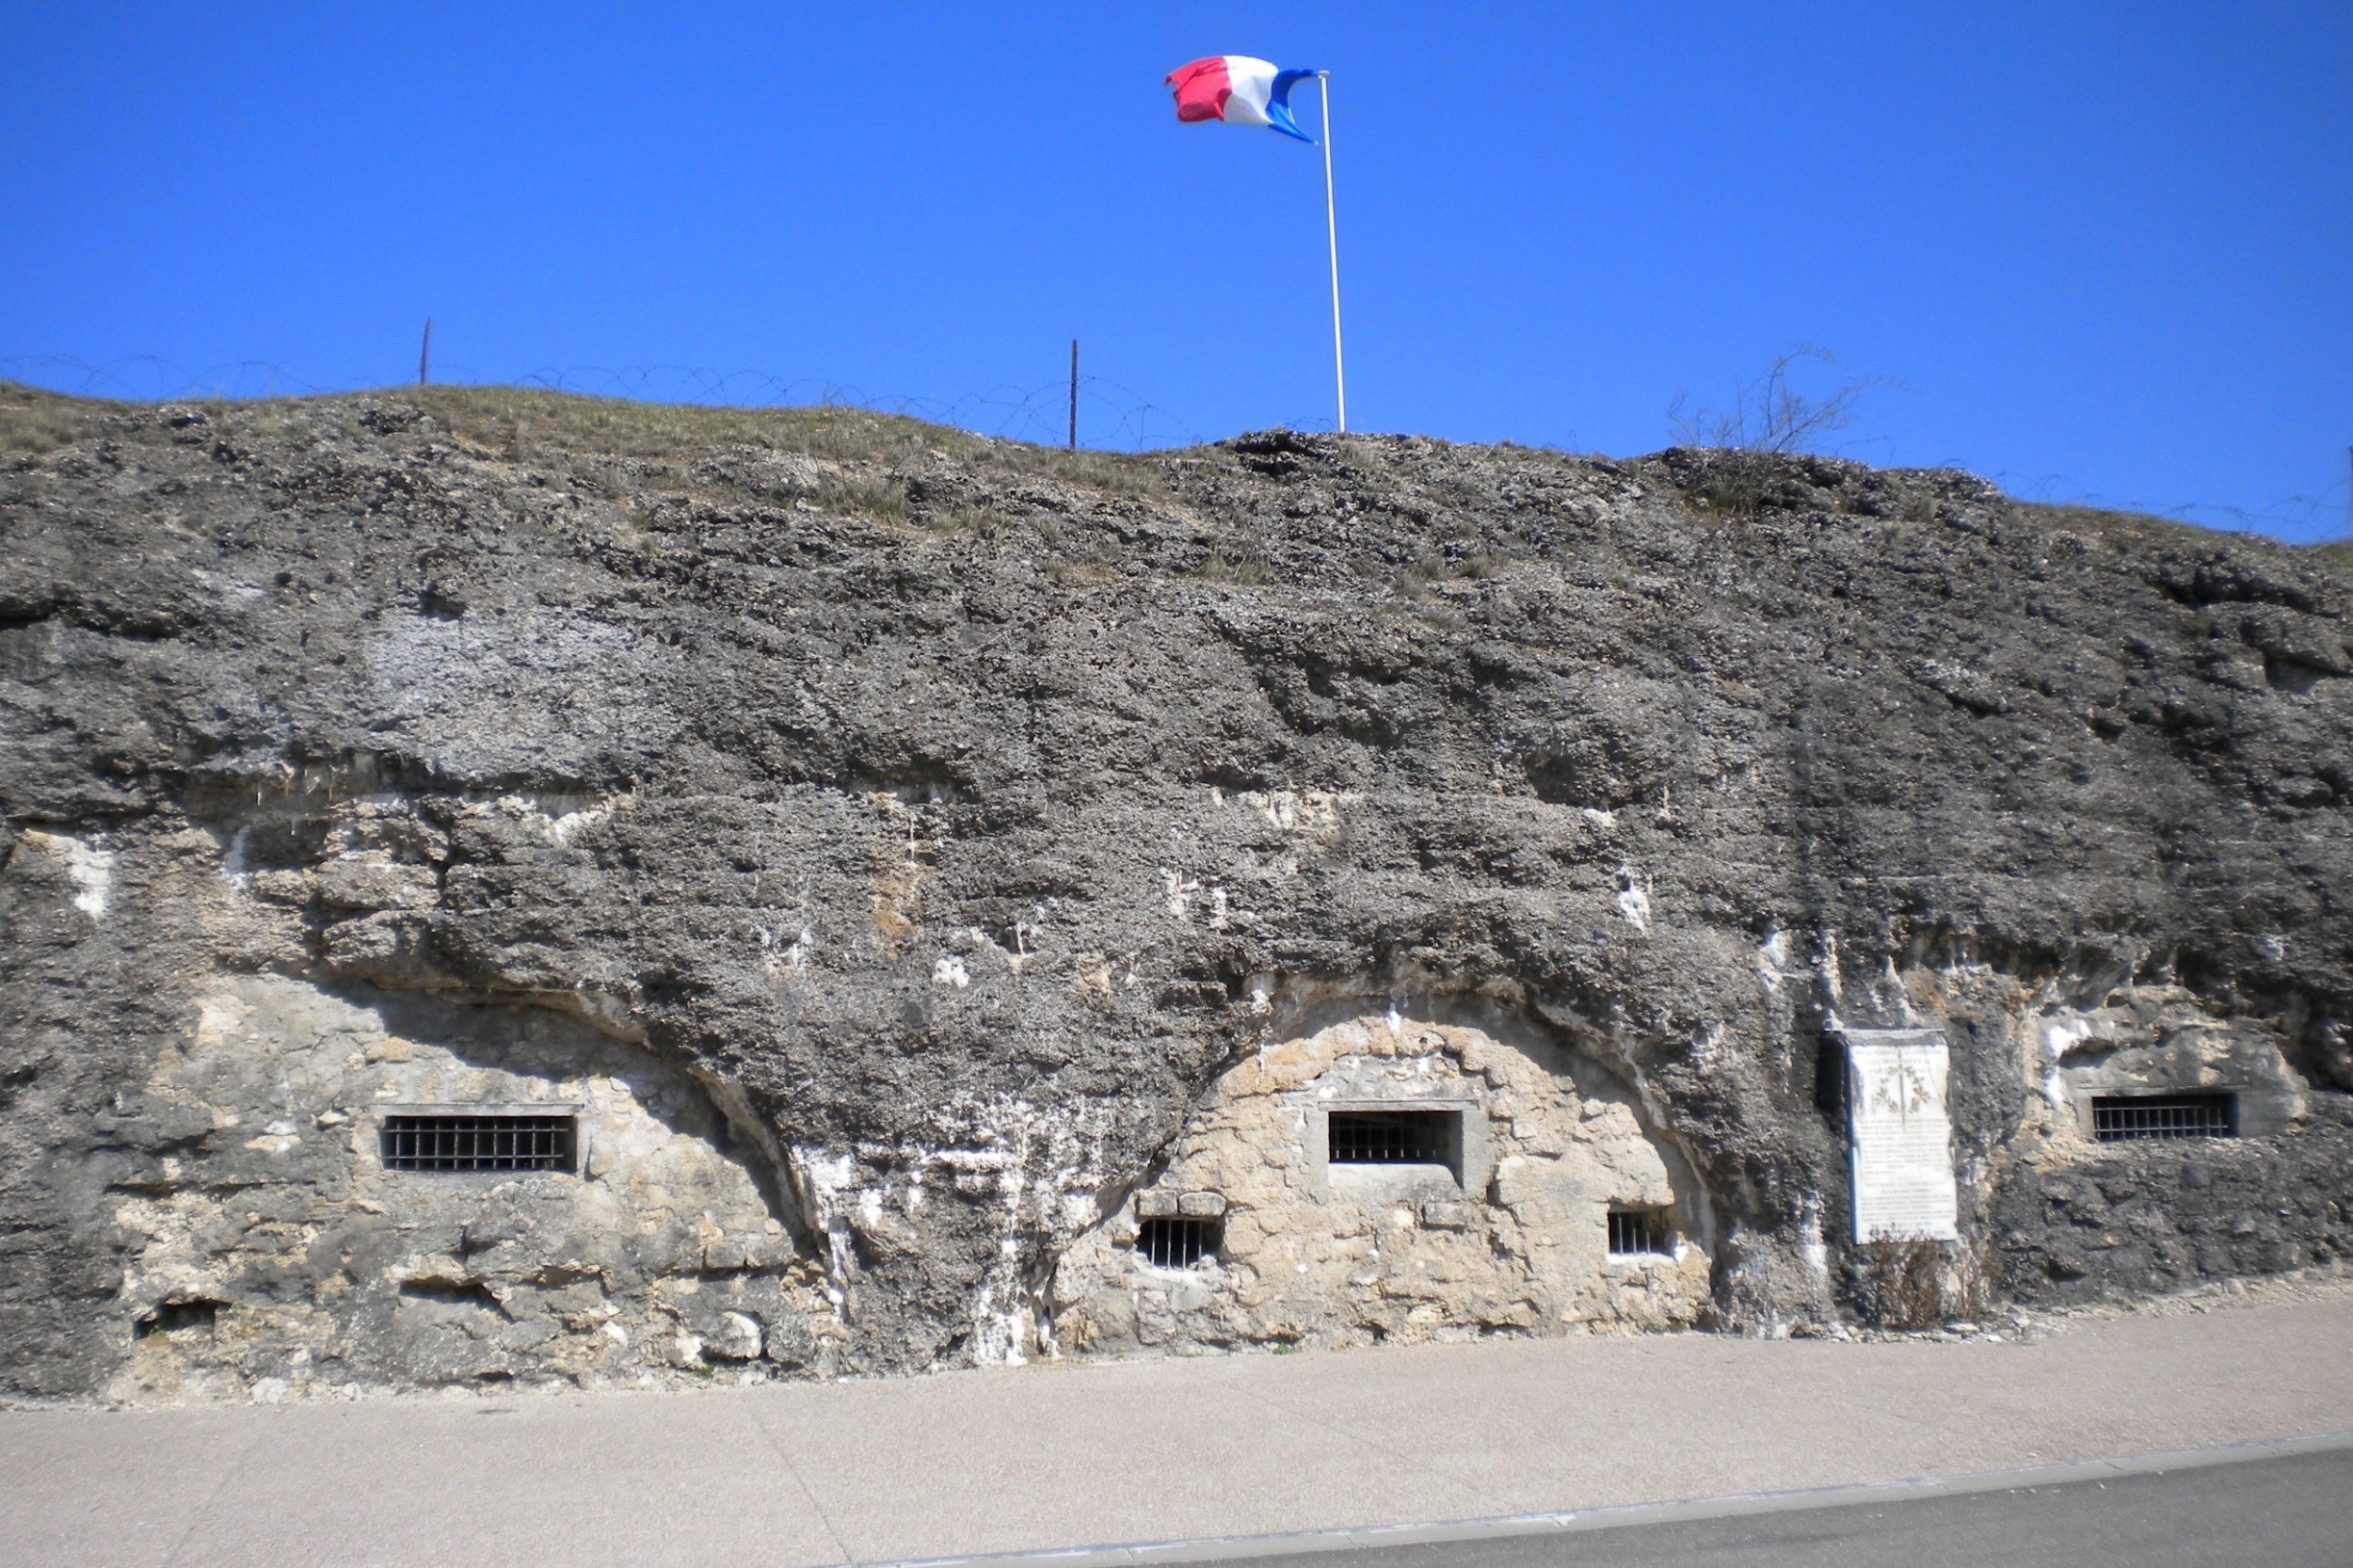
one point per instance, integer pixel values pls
(1111, 413)
(2296, 519)
(147, 378)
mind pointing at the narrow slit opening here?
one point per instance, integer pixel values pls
(485, 1143)
(2133, 1118)
(1395, 1137)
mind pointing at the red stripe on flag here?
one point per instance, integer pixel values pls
(1202, 89)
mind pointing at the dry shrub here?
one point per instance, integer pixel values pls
(1912, 1281)
(1768, 417)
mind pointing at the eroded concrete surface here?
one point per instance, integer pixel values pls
(920, 861)
(266, 1249)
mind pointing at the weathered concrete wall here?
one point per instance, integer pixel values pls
(1513, 1240)
(956, 818)
(268, 1248)
(2055, 1216)
(2076, 1219)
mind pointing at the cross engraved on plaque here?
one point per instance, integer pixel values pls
(1899, 1135)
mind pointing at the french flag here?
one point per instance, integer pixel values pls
(1240, 90)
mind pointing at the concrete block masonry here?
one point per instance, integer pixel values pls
(976, 904)
(1341, 1253)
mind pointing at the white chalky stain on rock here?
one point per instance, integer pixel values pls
(788, 961)
(1633, 901)
(1809, 1244)
(2065, 1035)
(950, 971)
(1313, 814)
(1179, 890)
(236, 864)
(90, 869)
(823, 1179)
(1044, 1167)
(560, 829)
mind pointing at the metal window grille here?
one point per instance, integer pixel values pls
(1178, 1244)
(511, 1143)
(1639, 1230)
(2128, 1118)
(1394, 1137)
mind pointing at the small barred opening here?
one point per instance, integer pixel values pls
(1396, 1138)
(489, 1143)
(1174, 1242)
(2130, 1118)
(1634, 1232)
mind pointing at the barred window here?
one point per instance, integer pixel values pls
(2130, 1118)
(478, 1143)
(1395, 1137)
(1637, 1231)
(1174, 1242)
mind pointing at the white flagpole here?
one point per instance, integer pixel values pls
(1332, 233)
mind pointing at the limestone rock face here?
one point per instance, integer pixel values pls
(916, 863)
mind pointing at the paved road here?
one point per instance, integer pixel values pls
(2295, 1512)
(1024, 1460)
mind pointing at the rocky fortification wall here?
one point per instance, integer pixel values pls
(924, 875)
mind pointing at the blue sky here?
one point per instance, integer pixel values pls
(2106, 248)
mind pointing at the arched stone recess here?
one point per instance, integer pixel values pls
(1384, 1179)
(269, 1251)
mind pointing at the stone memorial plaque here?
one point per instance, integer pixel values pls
(1900, 1134)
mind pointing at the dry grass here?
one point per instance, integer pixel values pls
(2139, 529)
(519, 420)
(1241, 560)
(622, 447)
(2118, 528)
(33, 422)
(617, 444)
(523, 422)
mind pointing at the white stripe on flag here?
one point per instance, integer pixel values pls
(1253, 84)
